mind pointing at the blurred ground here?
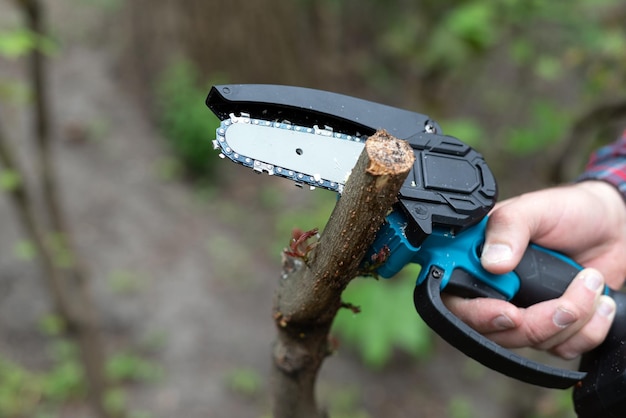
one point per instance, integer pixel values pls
(184, 277)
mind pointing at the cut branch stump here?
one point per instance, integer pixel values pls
(308, 296)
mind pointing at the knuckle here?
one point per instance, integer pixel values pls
(537, 336)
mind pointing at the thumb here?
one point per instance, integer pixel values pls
(506, 239)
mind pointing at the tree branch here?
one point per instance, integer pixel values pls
(25, 212)
(69, 282)
(309, 293)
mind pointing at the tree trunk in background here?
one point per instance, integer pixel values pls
(65, 273)
(314, 44)
(249, 42)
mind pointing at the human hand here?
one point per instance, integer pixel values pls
(586, 221)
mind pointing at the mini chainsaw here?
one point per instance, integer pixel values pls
(314, 138)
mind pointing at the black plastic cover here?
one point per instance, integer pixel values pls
(450, 186)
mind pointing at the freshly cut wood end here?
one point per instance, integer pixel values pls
(388, 155)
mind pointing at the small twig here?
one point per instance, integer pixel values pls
(347, 305)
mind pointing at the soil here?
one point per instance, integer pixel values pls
(184, 277)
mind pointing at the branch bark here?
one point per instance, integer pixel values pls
(308, 296)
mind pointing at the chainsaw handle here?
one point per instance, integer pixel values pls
(427, 299)
(542, 274)
(451, 263)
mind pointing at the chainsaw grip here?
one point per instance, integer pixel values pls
(428, 302)
(542, 274)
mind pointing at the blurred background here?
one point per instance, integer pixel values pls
(180, 251)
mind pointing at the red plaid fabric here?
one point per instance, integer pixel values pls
(609, 164)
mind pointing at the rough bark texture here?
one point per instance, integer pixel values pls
(309, 292)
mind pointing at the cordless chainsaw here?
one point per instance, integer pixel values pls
(315, 137)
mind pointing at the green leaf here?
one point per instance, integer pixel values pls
(548, 68)
(25, 250)
(460, 407)
(14, 91)
(52, 325)
(65, 381)
(131, 367)
(19, 42)
(473, 22)
(547, 125)
(613, 43)
(9, 180)
(126, 282)
(467, 130)
(16, 43)
(521, 51)
(115, 401)
(244, 381)
(187, 125)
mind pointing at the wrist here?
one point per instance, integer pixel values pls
(605, 194)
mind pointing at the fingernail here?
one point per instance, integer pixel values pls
(503, 322)
(563, 318)
(606, 306)
(496, 253)
(593, 280)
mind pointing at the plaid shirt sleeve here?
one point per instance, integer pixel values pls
(609, 164)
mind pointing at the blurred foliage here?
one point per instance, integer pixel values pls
(18, 42)
(244, 381)
(387, 320)
(548, 37)
(9, 180)
(126, 282)
(343, 401)
(461, 407)
(547, 125)
(469, 129)
(131, 367)
(25, 393)
(555, 404)
(188, 125)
